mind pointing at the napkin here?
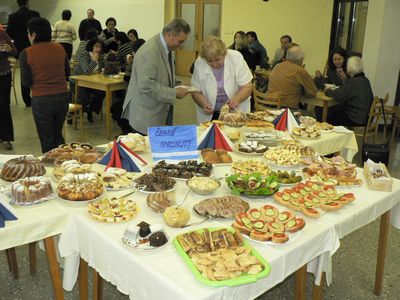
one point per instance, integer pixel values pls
(120, 156)
(5, 215)
(214, 138)
(286, 121)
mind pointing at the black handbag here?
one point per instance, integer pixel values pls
(376, 152)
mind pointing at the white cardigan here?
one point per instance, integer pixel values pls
(236, 74)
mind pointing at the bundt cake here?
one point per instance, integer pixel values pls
(19, 167)
(80, 187)
(30, 189)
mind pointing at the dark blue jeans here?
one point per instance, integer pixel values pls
(6, 123)
(49, 113)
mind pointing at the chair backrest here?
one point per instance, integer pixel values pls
(263, 101)
(374, 116)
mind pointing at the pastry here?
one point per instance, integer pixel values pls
(176, 216)
(23, 166)
(31, 189)
(80, 187)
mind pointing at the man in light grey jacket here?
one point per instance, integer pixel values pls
(151, 92)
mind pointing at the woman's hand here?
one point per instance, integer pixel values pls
(232, 104)
(341, 74)
(208, 109)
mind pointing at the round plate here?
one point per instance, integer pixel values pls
(286, 167)
(130, 217)
(249, 153)
(292, 238)
(152, 192)
(119, 189)
(326, 131)
(83, 202)
(307, 137)
(134, 243)
(15, 203)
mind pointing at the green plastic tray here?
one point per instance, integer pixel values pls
(242, 279)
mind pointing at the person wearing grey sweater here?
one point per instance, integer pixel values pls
(355, 97)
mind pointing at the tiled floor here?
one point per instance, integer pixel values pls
(353, 264)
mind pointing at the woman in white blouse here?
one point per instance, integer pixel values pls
(221, 76)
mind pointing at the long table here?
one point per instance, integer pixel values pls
(102, 83)
(321, 100)
(135, 273)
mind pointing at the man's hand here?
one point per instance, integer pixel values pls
(232, 104)
(181, 92)
(207, 109)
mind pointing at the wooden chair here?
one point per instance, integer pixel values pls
(263, 101)
(76, 109)
(374, 118)
(14, 65)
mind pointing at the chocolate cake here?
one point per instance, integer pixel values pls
(158, 239)
(144, 229)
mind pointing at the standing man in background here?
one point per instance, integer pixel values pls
(17, 30)
(89, 22)
(151, 92)
(64, 32)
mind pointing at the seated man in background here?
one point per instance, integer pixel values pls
(355, 95)
(257, 49)
(291, 79)
(279, 52)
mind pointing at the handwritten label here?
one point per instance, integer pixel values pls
(173, 142)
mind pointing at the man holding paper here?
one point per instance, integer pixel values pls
(151, 92)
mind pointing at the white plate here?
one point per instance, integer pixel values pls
(134, 243)
(306, 137)
(152, 192)
(120, 189)
(292, 238)
(15, 203)
(285, 167)
(326, 131)
(172, 162)
(249, 153)
(83, 202)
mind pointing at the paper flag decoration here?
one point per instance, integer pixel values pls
(120, 156)
(286, 121)
(5, 215)
(214, 138)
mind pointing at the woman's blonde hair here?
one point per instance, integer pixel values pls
(212, 47)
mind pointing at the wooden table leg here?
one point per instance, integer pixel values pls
(318, 290)
(32, 257)
(8, 260)
(300, 283)
(382, 247)
(83, 280)
(108, 115)
(325, 111)
(12, 261)
(76, 91)
(53, 267)
(97, 286)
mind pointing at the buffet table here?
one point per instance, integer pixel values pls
(40, 222)
(135, 272)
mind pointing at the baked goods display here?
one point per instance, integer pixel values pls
(19, 167)
(154, 183)
(183, 169)
(285, 177)
(253, 184)
(234, 119)
(306, 132)
(83, 153)
(80, 187)
(220, 255)
(218, 156)
(258, 124)
(253, 147)
(282, 156)
(307, 121)
(145, 236)
(176, 216)
(203, 185)
(205, 125)
(112, 210)
(30, 190)
(262, 135)
(251, 166)
(158, 202)
(303, 151)
(309, 197)
(335, 168)
(133, 141)
(265, 115)
(224, 207)
(324, 127)
(268, 224)
(233, 133)
(116, 178)
(70, 166)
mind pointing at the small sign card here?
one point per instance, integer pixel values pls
(173, 142)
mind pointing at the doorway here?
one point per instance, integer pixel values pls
(204, 18)
(348, 25)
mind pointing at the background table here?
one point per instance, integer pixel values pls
(321, 100)
(102, 83)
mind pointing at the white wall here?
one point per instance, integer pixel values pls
(146, 16)
(381, 53)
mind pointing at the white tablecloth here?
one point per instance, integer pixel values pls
(135, 273)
